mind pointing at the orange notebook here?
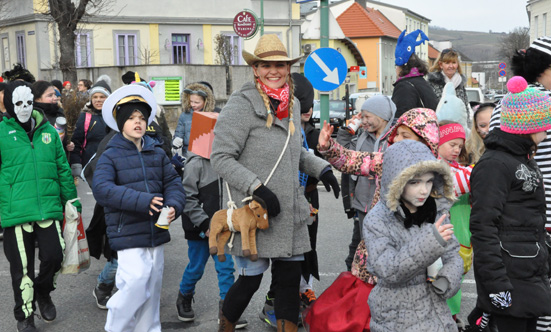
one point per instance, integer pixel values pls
(202, 133)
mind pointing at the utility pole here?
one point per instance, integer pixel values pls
(261, 17)
(324, 42)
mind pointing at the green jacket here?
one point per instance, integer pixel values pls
(35, 177)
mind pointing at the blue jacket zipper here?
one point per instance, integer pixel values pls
(147, 188)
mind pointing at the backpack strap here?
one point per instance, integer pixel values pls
(86, 125)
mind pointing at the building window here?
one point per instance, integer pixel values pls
(544, 19)
(536, 26)
(82, 50)
(21, 49)
(5, 54)
(234, 43)
(180, 49)
(127, 50)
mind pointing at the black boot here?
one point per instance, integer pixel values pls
(183, 304)
(47, 307)
(102, 293)
(27, 325)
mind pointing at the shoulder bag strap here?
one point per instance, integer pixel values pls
(418, 94)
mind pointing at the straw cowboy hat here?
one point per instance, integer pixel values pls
(268, 48)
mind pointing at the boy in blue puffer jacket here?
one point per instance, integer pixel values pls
(133, 181)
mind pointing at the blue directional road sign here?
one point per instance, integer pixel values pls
(326, 69)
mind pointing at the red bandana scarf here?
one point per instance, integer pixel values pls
(281, 94)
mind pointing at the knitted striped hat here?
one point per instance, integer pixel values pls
(542, 44)
(524, 110)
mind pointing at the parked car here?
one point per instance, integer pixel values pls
(357, 99)
(337, 114)
(475, 94)
(498, 97)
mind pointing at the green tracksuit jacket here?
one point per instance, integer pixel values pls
(35, 177)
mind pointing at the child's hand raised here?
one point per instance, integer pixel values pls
(445, 231)
(325, 135)
(156, 201)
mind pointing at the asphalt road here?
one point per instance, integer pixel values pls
(77, 311)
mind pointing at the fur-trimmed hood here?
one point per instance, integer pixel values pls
(210, 103)
(404, 160)
(437, 78)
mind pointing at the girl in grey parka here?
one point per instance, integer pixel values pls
(407, 231)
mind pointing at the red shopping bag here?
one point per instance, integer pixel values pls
(77, 255)
(341, 308)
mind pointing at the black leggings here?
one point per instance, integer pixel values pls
(514, 324)
(287, 301)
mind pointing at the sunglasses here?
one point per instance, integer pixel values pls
(448, 50)
(196, 92)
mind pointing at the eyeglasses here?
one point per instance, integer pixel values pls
(196, 92)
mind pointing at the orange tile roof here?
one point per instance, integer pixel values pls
(358, 21)
(433, 53)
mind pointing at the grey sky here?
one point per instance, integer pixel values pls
(471, 15)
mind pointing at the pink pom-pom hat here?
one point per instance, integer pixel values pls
(524, 110)
(517, 84)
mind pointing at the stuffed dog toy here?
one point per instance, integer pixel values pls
(245, 220)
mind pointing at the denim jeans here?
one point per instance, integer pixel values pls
(107, 276)
(198, 253)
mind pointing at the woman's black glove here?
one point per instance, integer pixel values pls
(330, 181)
(272, 203)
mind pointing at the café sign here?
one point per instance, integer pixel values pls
(245, 24)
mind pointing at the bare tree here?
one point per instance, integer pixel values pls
(518, 38)
(223, 49)
(146, 55)
(67, 14)
(224, 56)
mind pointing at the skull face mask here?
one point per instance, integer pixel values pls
(22, 99)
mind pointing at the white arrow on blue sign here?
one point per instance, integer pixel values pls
(326, 69)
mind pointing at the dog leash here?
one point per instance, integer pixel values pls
(231, 203)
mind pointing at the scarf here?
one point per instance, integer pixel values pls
(456, 79)
(281, 94)
(425, 213)
(414, 72)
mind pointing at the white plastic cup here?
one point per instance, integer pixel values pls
(433, 269)
(162, 221)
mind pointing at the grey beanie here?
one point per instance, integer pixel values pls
(102, 86)
(381, 106)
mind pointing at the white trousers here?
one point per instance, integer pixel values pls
(136, 305)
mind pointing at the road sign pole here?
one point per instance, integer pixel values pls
(324, 42)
